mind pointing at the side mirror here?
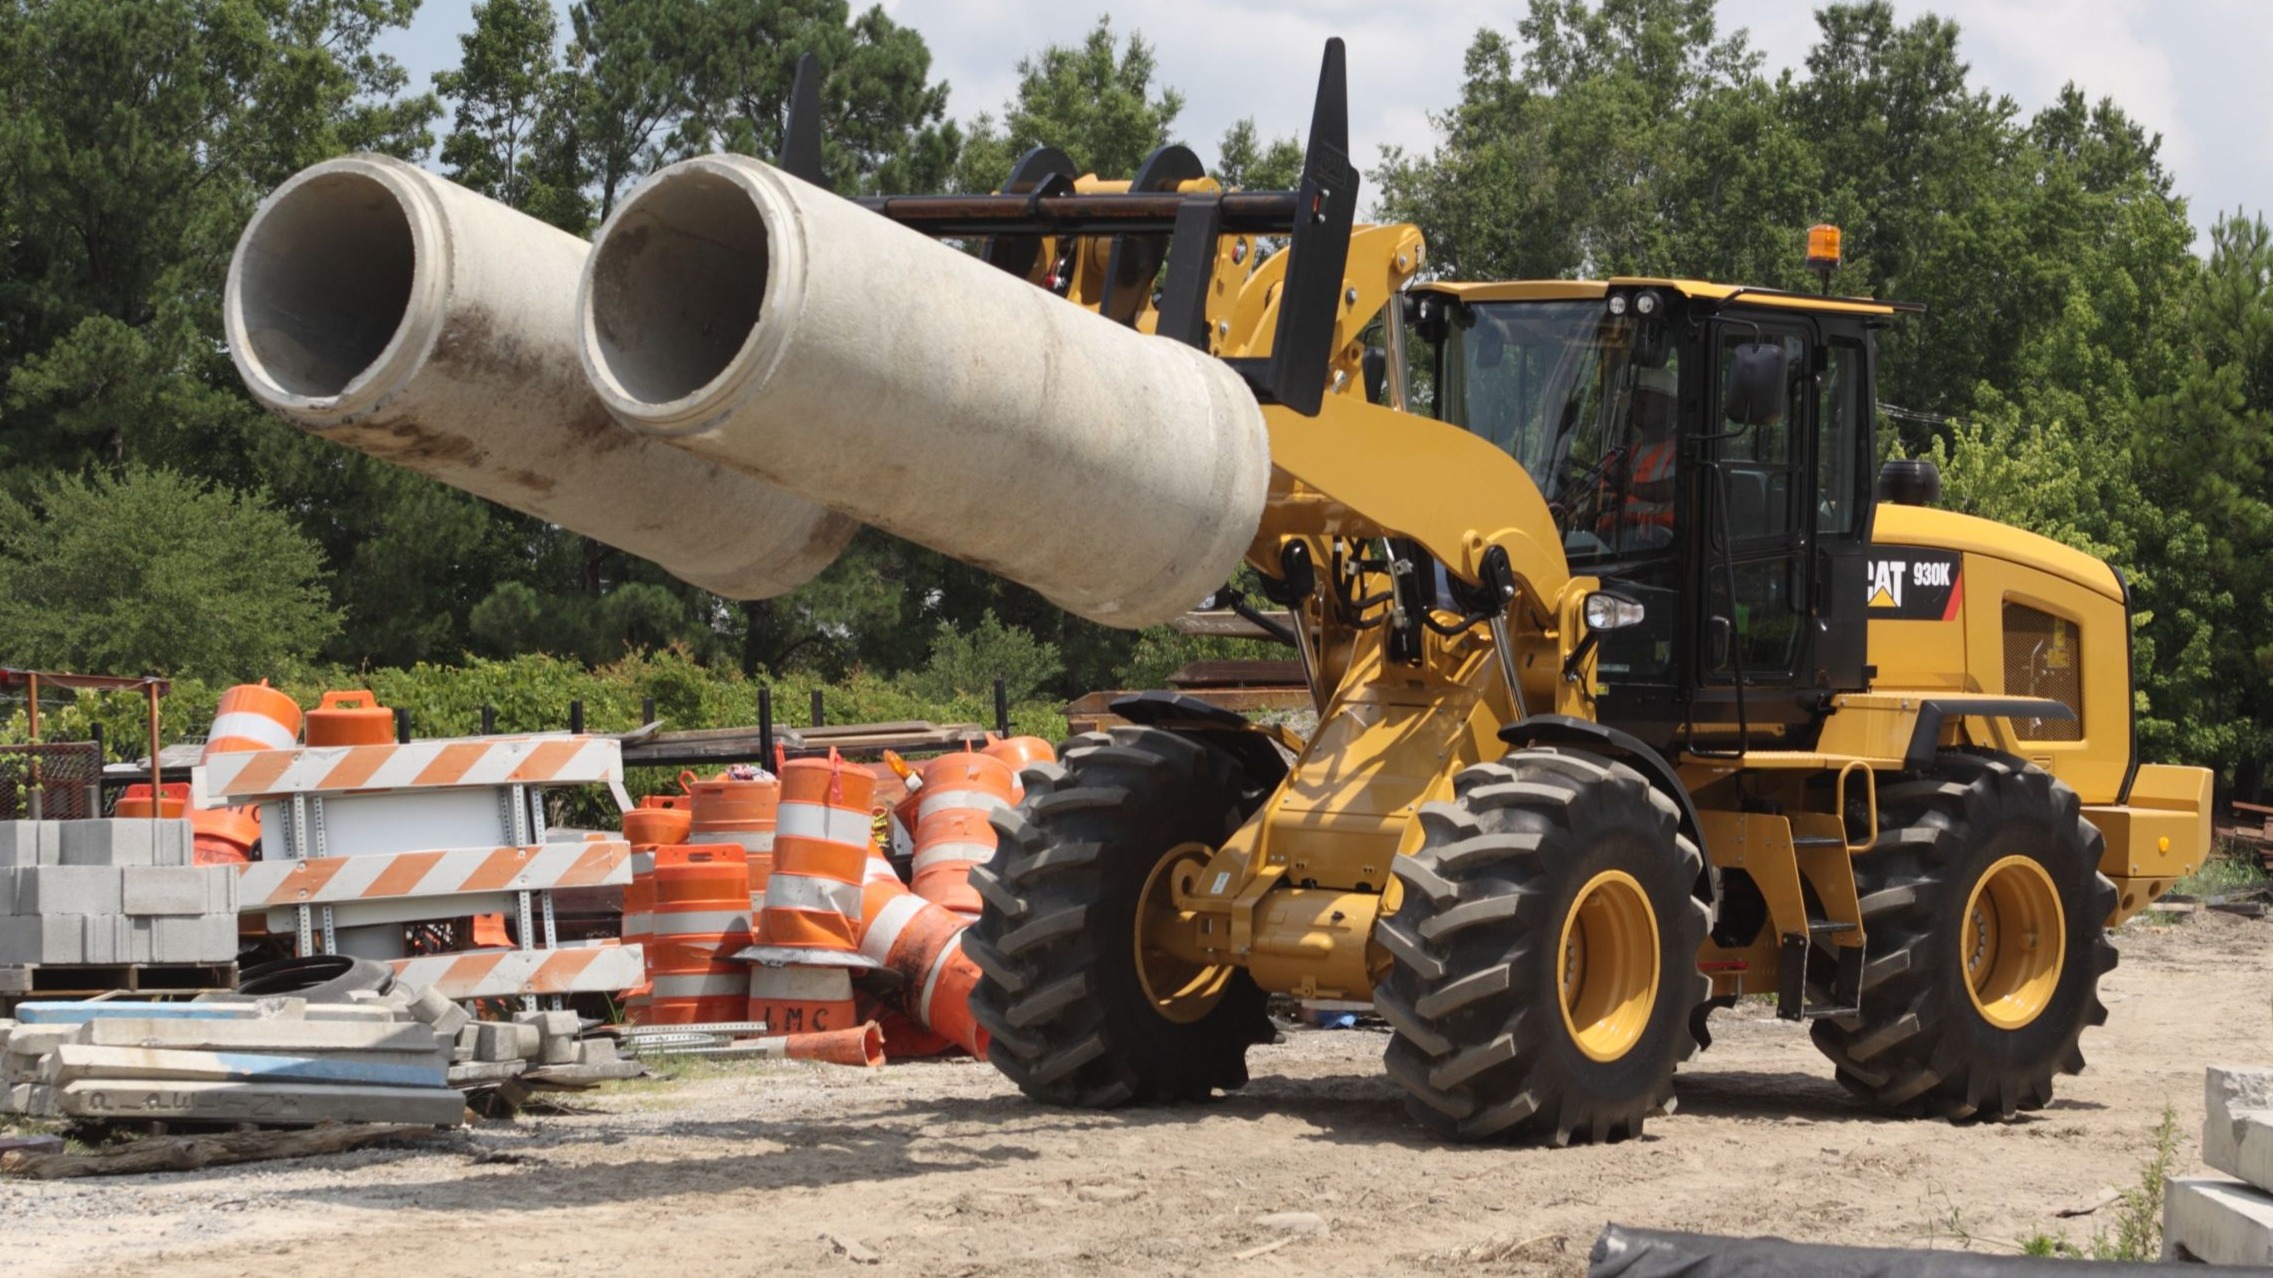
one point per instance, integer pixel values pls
(1754, 394)
(1375, 365)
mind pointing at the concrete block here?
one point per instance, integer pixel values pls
(562, 1024)
(29, 843)
(371, 1013)
(557, 1051)
(192, 940)
(485, 1071)
(45, 938)
(34, 1100)
(2223, 1222)
(270, 1104)
(39, 1040)
(125, 841)
(597, 1051)
(69, 889)
(100, 944)
(446, 1017)
(503, 1041)
(74, 1062)
(222, 890)
(168, 889)
(2237, 1123)
(463, 1049)
(260, 1035)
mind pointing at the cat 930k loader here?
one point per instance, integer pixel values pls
(1640, 686)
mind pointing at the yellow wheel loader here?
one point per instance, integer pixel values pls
(1640, 686)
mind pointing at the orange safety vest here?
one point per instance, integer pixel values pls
(1647, 464)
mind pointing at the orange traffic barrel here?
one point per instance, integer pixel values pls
(350, 719)
(951, 832)
(171, 804)
(253, 716)
(700, 918)
(1019, 752)
(222, 836)
(646, 828)
(738, 812)
(809, 931)
(922, 944)
(654, 827)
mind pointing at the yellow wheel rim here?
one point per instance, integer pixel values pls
(1179, 989)
(1609, 973)
(2013, 942)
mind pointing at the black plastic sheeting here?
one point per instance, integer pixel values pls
(1655, 1253)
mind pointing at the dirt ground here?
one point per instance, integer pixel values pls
(943, 1169)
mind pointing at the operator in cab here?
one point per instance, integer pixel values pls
(1642, 517)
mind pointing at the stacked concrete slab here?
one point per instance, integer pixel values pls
(540, 1046)
(110, 892)
(2214, 1219)
(277, 1062)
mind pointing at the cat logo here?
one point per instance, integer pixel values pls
(1913, 585)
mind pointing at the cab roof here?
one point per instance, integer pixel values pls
(1572, 290)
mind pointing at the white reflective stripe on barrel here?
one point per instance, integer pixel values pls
(800, 984)
(705, 985)
(642, 863)
(884, 930)
(252, 727)
(931, 978)
(975, 853)
(980, 800)
(697, 922)
(804, 892)
(813, 821)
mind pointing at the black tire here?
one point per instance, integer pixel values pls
(1481, 1043)
(1055, 943)
(1920, 1045)
(318, 978)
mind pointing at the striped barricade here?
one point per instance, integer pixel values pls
(399, 887)
(502, 973)
(487, 761)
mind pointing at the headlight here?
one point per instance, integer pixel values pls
(1645, 304)
(1617, 303)
(1606, 611)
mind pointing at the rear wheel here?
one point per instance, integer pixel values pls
(1986, 913)
(1544, 953)
(1080, 1010)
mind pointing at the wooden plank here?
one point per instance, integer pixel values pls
(1238, 674)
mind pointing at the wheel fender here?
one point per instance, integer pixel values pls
(1210, 725)
(1626, 748)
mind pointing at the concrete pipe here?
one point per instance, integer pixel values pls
(762, 322)
(400, 314)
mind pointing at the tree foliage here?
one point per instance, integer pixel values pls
(1095, 101)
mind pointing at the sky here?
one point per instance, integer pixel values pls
(2191, 70)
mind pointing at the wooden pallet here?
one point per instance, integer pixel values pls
(87, 980)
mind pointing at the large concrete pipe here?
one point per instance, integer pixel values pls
(398, 313)
(760, 321)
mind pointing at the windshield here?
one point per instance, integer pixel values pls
(1557, 386)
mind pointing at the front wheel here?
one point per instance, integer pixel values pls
(1544, 954)
(1082, 1012)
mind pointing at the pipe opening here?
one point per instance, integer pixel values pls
(325, 281)
(677, 285)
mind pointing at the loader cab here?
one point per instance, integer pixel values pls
(1706, 451)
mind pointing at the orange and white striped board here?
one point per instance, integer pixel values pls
(410, 877)
(499, 973)
(481, 761)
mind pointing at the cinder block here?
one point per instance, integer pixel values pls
(167, 889)
(2223, 1222)
(446, 1017)
(557, 1051)
(29, 843)
(562, 1024)
(101, 942)
(597, 1051)
(503, 1041)
(2237, 1124)
(222, 890)
(44, 938)
(69, 889)
(217, 936)
(126, 841)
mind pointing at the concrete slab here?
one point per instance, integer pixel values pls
(485, 1071)
(2237, 1124)
(271, 1104)
(500, 1041)
(2223, 1222)
(74, 1062)
(69, 889)
(60, 1012)
(281, 1037)
(587, 1073)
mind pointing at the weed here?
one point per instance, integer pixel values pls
(2231, 867)
(2138, 1228)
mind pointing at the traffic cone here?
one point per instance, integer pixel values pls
(860, 1045)
(922, 944)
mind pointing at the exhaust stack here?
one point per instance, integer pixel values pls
(384, 308)
(761, 322)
